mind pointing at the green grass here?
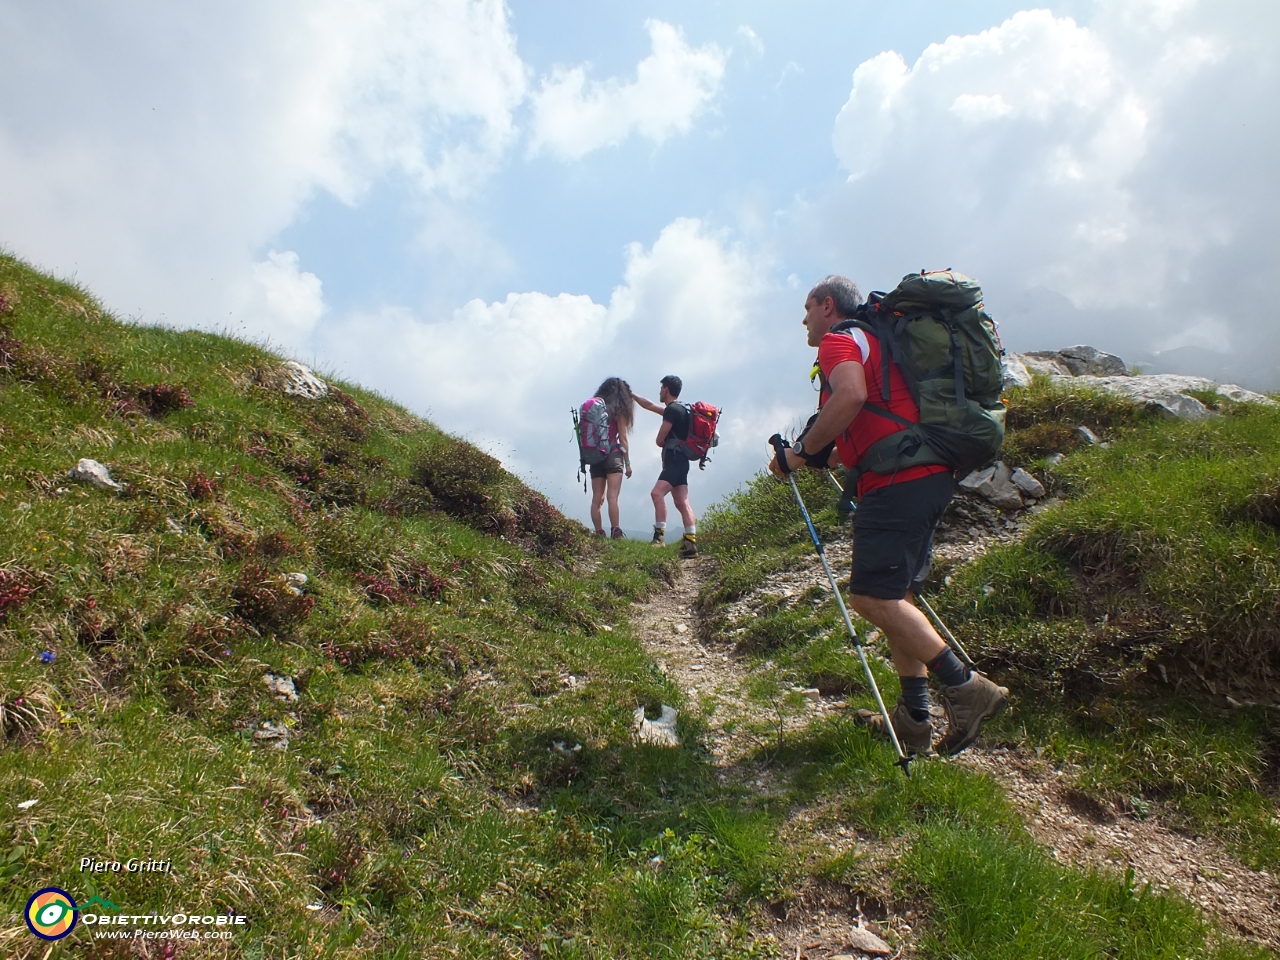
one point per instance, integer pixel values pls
(1158, 568)
(447, 789)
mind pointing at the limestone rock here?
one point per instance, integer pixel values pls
(996, 485)
(299, 381)
(1086, 361)
(862, 939)
(1078, 361)
(1028, 484)
(1044, 361)
(1168, 394)
(1014, 372)
(294, 583)
(92, 472)
(282, 688)
(273, 735)
(660, 732)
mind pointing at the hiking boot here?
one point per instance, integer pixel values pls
(617, 533)
(916, 736)
(599, 533)
(659, 538)
(968, 707)
(688, 546)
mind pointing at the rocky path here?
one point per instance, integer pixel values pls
(1080, 830)
(745, 712)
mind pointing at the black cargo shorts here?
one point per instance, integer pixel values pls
(893, 536)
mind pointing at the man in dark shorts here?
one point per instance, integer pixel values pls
(674, 478)
(892, 529)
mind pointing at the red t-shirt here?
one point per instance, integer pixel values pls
(868, 427)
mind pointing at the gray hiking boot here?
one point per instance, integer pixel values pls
(659, 538)
(916, 736)
(968, 707)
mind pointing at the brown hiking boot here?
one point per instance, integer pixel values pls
(688, 546)
(968, 707)
(659, 538)
(916, 736)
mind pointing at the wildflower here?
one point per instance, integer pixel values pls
(47, 656)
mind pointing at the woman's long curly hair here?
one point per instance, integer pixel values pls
(618, 400)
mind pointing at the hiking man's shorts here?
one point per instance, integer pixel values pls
(613, 463)
(675, 468)
(893, 536)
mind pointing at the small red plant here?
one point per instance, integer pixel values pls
(201, 487)
(263, 600)
(14, 590)
(161, 399)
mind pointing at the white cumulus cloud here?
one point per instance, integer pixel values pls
(156, 148)
(574, 116)
(288, 301)
(1098, 179)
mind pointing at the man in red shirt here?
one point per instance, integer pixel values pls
(893, 527)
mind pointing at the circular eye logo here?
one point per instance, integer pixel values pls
(51, 913)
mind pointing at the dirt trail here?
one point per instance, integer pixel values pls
(1075, 828)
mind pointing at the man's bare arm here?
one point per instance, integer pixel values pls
(649, 404)
(663, 431)
(848, 394)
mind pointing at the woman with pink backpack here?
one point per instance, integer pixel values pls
(602, 424)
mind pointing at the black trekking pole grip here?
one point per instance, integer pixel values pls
(779, 448)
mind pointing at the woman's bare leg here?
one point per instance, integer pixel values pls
(614, 481)
(597, 498)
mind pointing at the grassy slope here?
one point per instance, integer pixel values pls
(422, 801)
(446, 607)
(1164, 555)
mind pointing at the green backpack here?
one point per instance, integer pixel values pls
(934, 327)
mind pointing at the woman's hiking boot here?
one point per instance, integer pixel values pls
(659, 537)
(915, 736)
(688, 546)
(969, 706)
(616, 533)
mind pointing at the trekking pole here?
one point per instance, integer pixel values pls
(937, 620)
(779, 446)
(945, 632)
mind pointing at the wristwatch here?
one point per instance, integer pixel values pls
(798, 448)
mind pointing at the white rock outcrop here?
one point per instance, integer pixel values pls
(1165, 393)
(1168, 394)
(95, 473)
(299, 381)
(660, 732)
(282, 688)
(996, 485)
(1027, 484)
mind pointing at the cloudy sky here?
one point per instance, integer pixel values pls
(483, 209)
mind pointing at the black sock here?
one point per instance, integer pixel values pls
(915, 695)
(947, 667)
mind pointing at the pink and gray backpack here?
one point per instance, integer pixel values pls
(591, 427)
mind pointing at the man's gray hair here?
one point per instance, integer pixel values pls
(840, 289)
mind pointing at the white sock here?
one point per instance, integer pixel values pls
(691, 530)
(660, 526)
